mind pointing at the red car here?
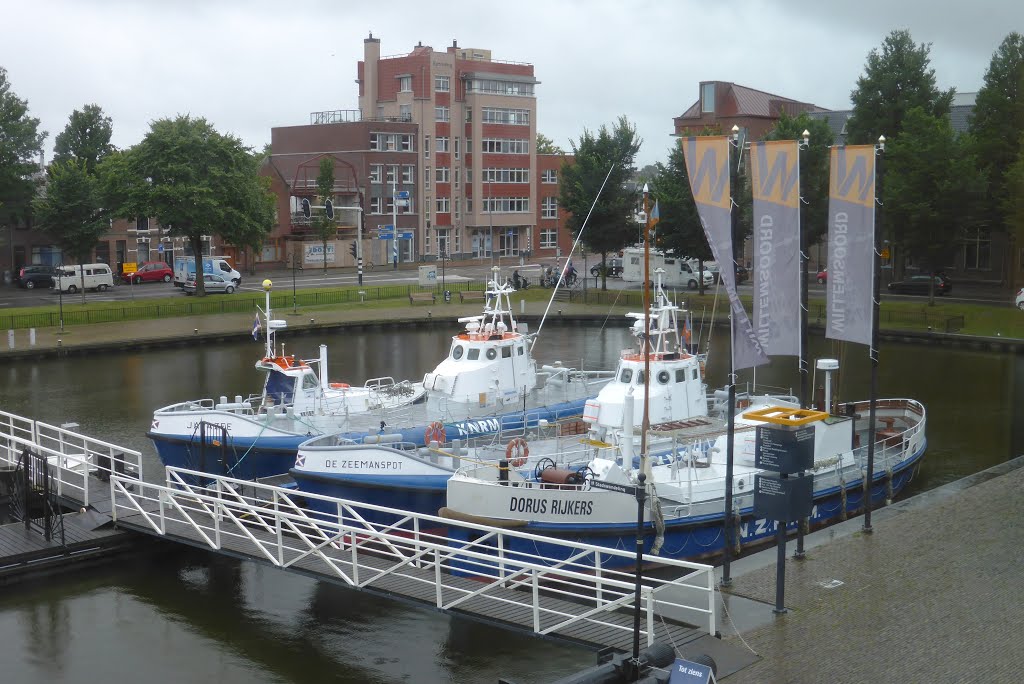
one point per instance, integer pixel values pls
(149, 272)
(822, 276)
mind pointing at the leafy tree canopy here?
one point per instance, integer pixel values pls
(609, 153)
(72, 209)
(932, 188)
(20, 145)
(322, 225)
(86, 138)
(679, 230)
(194, 181)
(998, 123)
(896, 79)
(546, 145)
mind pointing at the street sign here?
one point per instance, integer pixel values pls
(783, 498)
(885, 253)
(160, 248)
(403, 194)
(385, 236)
(388, 227)
(688, 672)
(405, 235)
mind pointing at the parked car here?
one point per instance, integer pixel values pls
(614, 267)
(35, 275)
(742, 274)
(822, 276)
(212, 282)
(1020, 299)
(919, 284)
(149, 272)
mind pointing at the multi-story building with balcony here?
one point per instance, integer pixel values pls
(452, 136)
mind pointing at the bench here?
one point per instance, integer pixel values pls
(472, 295)
(422, 297)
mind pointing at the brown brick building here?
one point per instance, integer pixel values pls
(722, 105)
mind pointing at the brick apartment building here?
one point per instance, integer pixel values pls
(451, 135)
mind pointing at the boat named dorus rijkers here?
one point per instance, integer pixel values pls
(487, 379)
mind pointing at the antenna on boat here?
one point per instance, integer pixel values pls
(579, 236)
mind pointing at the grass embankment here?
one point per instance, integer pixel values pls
(901, 314)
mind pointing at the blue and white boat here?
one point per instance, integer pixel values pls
(488, 381)
(399, 473)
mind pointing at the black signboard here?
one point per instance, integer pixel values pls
(784, 449)
(616, 487)
(782, 498)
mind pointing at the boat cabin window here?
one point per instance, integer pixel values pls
(309, 381)
(280, 388)
(457, 352)
(492, 353)
(626, 375)
(506, 352)
(639, 377)
(473, 354)
(680, 375)
(663, 377)
(694, 373)
(520, 349)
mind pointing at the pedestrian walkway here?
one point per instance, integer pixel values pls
(932, 595)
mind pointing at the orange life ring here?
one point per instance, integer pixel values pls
(517, 452)
(434, 433)
(340, 385)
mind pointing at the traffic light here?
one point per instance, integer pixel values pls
(306, 211)
(352, 250)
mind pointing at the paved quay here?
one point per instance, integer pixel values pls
(932, 595)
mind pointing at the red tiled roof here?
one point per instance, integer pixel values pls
(737, 100)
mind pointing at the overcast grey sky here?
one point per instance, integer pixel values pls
(250, 65)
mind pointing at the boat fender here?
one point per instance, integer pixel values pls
(517, 452)
(339, 385)
(434, 433)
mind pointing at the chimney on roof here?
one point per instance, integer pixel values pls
(455, 43)
(419, 43)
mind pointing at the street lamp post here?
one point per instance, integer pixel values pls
(490, 219)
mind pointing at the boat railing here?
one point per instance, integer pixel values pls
(418, 550)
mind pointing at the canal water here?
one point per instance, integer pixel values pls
(189, 616)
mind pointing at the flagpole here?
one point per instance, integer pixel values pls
(646, 424)
(802, 147)
(731, 410)
(873, 352)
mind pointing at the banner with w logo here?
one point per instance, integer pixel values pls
(707, 165)
(775, 174)
(851, 244)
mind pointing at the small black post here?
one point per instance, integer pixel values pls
(729, 458)
(26, 489)
(780, 564)
(47, 513)
(295, 307)
(641, 495)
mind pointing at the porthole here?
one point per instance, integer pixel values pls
(663, 377)
(492, 354)
(739, 484)
(457, 352)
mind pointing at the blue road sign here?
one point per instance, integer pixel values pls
(385, 236)
(402, 194)
(160, 248)
(405, 235)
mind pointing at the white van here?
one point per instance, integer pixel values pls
(678, 271)
(185, 268)
(96, 277)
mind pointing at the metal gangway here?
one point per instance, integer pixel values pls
(578, 592)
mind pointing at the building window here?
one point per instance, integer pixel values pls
(548, 238)
(389, 204)
(977, 252)
(442, 84)
(469, 205)
(506, 146)
(426, 147)
(375, 142)
(457, 139)
(469, 114)
(457, 212)
(469, 146)
(375, 205)
(442, 174)
(549, 176)
(506, 205)
(392, 173)
(549, 208)
(456, 174)
(442, 143)
(376, 173)
(504, 115)
(426, 176)
(442, 205)
(498, 87)
(408, 174)
(707, 98)
(405, 112)
(441, 113)
(405, 84)
(506, 176)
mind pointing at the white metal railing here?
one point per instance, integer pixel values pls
(419, 549)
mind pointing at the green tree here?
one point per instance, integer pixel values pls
(20, 145)
(323, 225)
(193, 180)
(932, 189)
(895, 80)
(998, 124)
(1013, 206)
(546, 145)
(814, 169)
(610, 226)
(72, 209)
(679, 230)
(86, 138)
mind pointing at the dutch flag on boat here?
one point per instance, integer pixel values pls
(256, 328)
